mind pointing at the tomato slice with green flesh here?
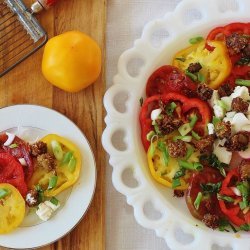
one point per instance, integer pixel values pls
(170, 79)
(230, 209)
(209, 203)
(11, 172)
(188, 105)
(20, 150)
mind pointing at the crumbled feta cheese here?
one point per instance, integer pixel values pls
(241, 91)
(155, 114)
(238, 121)
(230, 114)
(52, 206)
(227, 100)
(44, 212)
(219, 111)
(10, 139)
(222, 153)
(210, 127)
(214, 99)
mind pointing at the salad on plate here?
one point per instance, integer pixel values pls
(195, 126)
(33, 175)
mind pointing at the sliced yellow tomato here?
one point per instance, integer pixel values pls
(12, 208)
(216, 64)
(67, 169)
(164, 174)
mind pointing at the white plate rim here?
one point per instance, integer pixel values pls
(212, 14)
(56, 227)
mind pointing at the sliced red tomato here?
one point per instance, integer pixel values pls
(11, 172)
(188, 105)
(170, 79)
(219, 33)
(20, 149)
(232, 210)
(209, 203)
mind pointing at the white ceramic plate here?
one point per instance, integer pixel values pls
(33, 122)
(160, 40)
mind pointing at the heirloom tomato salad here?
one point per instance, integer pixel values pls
(195, 126)
(32, 175)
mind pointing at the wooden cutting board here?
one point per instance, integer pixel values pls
(26, 84)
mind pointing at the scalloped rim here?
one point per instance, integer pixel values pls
(170, 220)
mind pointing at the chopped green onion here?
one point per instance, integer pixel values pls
(14, 145)
(72, 164)
(198, 200)
(57, 150)
(182, 59)
(67, 157)
(215, 120)
(157, 130)
(150, 135)
(245, 227)
(190, 165)
(193, 120)
(211, 187)
(191, 75)
(201, 77)
(52, 182)
(54, 201)
(152, 148)
(40, 193)
(225, 198)
(162, 147)
(179, 173)
(4, 192)
(244, 190)
(196, 136)
(176, 183)
(223, 105)
(141, 101)
(170, 108)
(185, 138)
(196, 39)
(190, 151)
(242, 82)
(184, 129)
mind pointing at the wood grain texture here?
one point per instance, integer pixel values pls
(25, 84)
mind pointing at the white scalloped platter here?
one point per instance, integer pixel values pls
(160, 40)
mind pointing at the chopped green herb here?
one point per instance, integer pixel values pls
(141, 101)
(184, 129)
(176, 183)
(190, 151)
(225, 198)
(245, 227)
(179, 173)
(162, 147)
(193, 120)
(182, 59)
(242, 82)
(14, 145)
(210, 187)
(223, 225)
(223, 105)
(190, 165)
(191, 75)
(156, 128)
(67, 157)
(243, 61)
(170, 108)
(201, 77)
(197, 201)
(150, 135)
(215, 120)
(196, 136)
(186, 138)
(54, 201)
(52, 182)
(4, 192)
(244, 190)
(57, 150)
(40, 193)
(196, 39)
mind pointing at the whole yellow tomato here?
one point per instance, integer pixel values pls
(71, 61)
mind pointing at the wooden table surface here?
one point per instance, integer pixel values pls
(26, 84)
